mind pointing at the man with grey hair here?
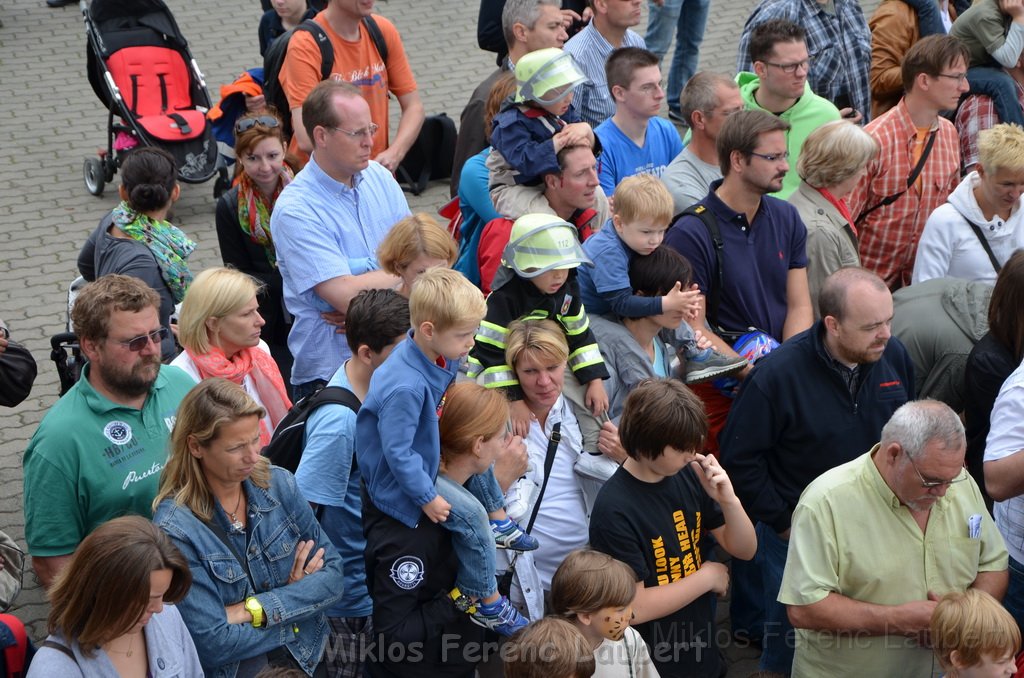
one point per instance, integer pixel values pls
(707, 100)
(877, 540)
(528, 25)
(816, 402)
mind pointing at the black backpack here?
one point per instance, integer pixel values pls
(285, 448)
(274, 59)
(432, 155)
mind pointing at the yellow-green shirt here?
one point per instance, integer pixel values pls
(851, 536)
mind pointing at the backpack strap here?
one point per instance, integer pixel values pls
(711, 223)
(323, 42)
(377, 37)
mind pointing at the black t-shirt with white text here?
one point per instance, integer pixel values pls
(661, 531)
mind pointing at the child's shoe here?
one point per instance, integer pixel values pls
(710, 364)
(499, 617)
(509, 535)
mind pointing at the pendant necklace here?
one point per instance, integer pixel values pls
(131, 642)
(236, 524)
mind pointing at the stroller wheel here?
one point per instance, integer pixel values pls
(94, 176)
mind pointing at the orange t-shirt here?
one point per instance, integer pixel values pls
(915, 155)
(357, 62)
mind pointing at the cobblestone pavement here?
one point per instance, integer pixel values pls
(51, 121)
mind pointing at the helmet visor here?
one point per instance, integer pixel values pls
(553, 81)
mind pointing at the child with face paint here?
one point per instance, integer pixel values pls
(595, 593)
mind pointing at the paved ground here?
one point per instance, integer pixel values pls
(51, 120)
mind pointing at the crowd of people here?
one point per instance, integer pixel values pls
(767, 346)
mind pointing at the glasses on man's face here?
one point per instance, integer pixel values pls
(368, 132)
(790, 69)
(933, 484)
(246, 124)
(959, 77)
(772, 157)
(136, 344)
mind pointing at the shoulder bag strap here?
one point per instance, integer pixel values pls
(549, 461)
(711, 223)
(219, 531)
(54, 645)
(911, 178)
(984, 243)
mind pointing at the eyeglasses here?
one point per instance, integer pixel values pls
(932, 484)
(772, 157)
(790, 69)
(959, 77)
(140, 342)
(359, 133)
(246, 124)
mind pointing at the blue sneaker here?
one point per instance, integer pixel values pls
(499, 617)
(509, 535)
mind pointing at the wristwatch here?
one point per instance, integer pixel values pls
(256, 610)
(462, 602)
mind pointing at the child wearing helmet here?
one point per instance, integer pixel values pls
(537, 278)
(532, 127)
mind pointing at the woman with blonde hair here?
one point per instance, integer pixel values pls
(263, 573)
(219, 326)
(981, 224)
(413, 245)
(107, 613)
(262, 171)
(833, 159)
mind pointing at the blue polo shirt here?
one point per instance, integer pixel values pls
(757, 259)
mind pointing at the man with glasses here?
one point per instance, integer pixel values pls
(918, 164)
(327, 225)
(707, 100)
(820, 401)
(356, 60)
(876, 541)
(778, 51)
(98, 452)
(837, 37)
(635, 140)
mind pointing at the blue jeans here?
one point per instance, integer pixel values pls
(1014, 599)
(779, 636)
(687, 18)
(999, 86)
(472, 538)
(300, 391)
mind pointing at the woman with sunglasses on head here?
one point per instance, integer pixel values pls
(107, 608)
(243, 222)
(263, 572)
(136, 238)
(219, 327)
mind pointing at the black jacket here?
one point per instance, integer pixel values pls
(794, 419)
(418, 631)
(988, 366)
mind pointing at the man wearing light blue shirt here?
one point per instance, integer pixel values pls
(327, 225)
(608, 30)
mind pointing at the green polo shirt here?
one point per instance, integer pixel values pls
(852, 536)
(91, 460)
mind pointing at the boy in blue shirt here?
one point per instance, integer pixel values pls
(530, 130)
(398, 444)
(643, 210)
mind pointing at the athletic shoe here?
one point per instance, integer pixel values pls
(712, 365)
(499, 617)
(509, 535)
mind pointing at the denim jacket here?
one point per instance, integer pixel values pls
(295, 614)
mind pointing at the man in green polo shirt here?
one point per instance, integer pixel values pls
(876, 541)
(98, 452)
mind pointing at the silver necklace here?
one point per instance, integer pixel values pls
(236, 524)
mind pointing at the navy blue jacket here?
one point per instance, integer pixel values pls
(794, 419)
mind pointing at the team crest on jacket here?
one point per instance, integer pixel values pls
(566, 303)
(407, 572)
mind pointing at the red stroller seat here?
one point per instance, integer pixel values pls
(154, 82)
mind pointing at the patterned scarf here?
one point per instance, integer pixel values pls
(266, 377)
(254, 212)
(168, 243)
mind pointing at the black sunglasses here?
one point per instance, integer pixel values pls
(136, 344)
(246, 124)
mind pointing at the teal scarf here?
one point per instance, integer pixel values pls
(168, 243)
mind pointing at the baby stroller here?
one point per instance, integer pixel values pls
(65, 351)
(140, 67)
